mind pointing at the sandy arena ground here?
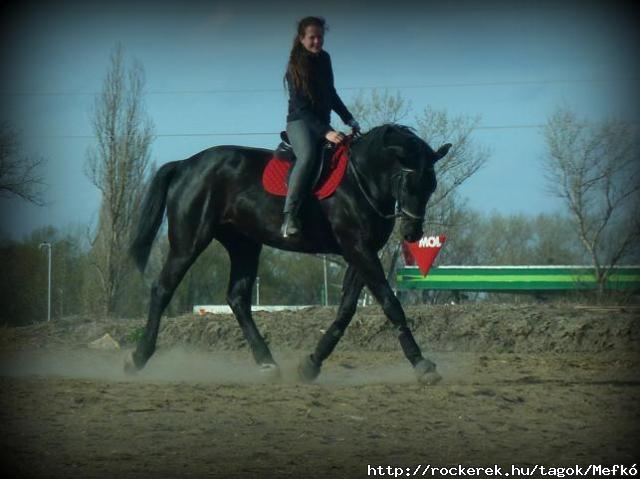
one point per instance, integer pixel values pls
(524, 385)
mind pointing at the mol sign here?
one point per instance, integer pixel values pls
(430, 242)
(424, 251)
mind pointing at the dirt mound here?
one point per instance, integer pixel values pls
(464, 328)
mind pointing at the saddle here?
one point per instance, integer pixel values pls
(332, 165)
(285, 150)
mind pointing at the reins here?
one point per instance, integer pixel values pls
(367, 196)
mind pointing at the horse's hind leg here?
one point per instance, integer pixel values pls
(185, 247)
(352, 285)
(244, 254)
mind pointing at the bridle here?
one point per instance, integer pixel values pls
(398, 181)
(399, 186)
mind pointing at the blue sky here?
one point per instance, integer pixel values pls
(509, 62)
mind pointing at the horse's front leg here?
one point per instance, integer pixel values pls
(370, 270)
(310, 366)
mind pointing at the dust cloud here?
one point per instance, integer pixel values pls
(192, 365)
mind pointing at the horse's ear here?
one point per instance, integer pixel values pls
(442, 151)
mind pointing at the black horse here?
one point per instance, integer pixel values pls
(218, 194)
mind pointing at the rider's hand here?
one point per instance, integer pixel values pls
(335, 137)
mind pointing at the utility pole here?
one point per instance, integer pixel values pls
(257, 290)
(61, 293)
(326, 283)
(47, 245)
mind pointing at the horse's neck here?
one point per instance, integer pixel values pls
(375, 180)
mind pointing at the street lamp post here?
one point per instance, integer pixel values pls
(47, 245)
(326, 282)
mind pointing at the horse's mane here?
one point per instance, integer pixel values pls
(373, 140)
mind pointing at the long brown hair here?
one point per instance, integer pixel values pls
(298, 66)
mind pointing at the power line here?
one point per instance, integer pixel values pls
(272, 133)
(161, 135)
(347, 88)
(507, 127)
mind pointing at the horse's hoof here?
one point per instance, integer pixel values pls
(270, 372)
(130, 366)
(308, 370)
(426, 372)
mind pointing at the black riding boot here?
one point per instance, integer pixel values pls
(290, 225)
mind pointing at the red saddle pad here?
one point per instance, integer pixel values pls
(274, 177)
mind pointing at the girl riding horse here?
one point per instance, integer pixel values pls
(312, 96)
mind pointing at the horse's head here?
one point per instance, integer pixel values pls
(413, 176)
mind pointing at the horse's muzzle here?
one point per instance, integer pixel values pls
(412, 230)
(412, 238)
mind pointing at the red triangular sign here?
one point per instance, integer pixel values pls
(425, 251)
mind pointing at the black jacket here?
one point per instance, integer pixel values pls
(317, 114)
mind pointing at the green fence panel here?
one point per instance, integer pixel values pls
(515, 278)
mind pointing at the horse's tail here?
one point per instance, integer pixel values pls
(151, 214)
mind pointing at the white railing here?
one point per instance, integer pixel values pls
(203, 309)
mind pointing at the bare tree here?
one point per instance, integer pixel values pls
(464, 160)
(595, 170)
(378, 108)
(19, 176)
(117, 167)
